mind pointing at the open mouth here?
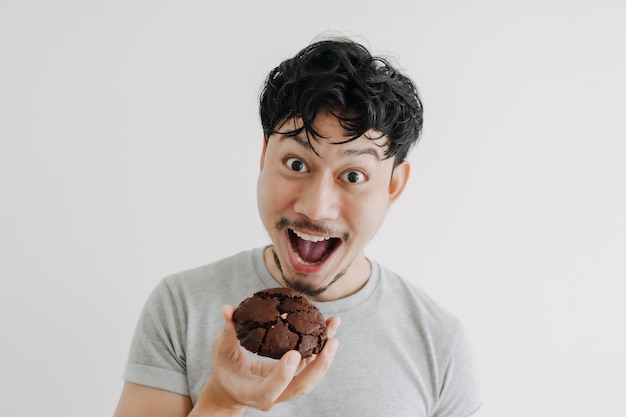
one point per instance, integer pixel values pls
(312, 250)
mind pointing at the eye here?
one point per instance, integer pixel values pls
(353, 177)
(296, 165)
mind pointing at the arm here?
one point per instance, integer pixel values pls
(460, 392)
(142, 401)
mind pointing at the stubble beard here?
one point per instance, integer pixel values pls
(302, 287)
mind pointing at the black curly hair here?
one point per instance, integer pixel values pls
(363, 91)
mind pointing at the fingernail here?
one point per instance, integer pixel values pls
(293, 361)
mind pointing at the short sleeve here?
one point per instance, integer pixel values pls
(157, 353)
(459, 395)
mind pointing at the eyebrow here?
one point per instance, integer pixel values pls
(348, 152)
(363, 151)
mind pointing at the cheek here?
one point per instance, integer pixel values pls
(273, 195)
(366, 214)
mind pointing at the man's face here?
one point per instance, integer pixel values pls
(322, 204)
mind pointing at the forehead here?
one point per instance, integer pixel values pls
(348, 147)
(330, 136)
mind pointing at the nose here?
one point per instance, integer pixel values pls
(319, 198)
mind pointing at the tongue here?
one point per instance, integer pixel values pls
(312, 251)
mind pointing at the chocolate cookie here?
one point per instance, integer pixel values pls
(277, 320)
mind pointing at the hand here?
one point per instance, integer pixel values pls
(236, 382)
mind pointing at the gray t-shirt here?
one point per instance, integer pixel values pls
(400, 353)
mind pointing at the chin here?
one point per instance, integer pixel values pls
(310, 284)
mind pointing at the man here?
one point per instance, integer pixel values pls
(338, 125)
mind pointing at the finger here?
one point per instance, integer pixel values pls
(227, 313)
(226, 344)
(304, 363)
(273, 385)
(263, 367)
(310, 376)
(248, 382)
(229, 326)
(332, 324)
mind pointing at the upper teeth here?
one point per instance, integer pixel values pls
(312, 238)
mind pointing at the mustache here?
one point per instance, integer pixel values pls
(306, 224)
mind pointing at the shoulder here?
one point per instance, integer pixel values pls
(226, 281)
(224, 266)
(407, 295)
(437, 335)
(418, 318)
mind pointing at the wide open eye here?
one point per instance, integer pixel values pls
(353, 177)
(296, 165)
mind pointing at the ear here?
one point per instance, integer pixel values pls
(265, 139)
(399, 178)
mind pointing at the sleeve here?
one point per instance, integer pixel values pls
(157, 352)
(459, 394)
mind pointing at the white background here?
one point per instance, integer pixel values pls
(129, 150)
